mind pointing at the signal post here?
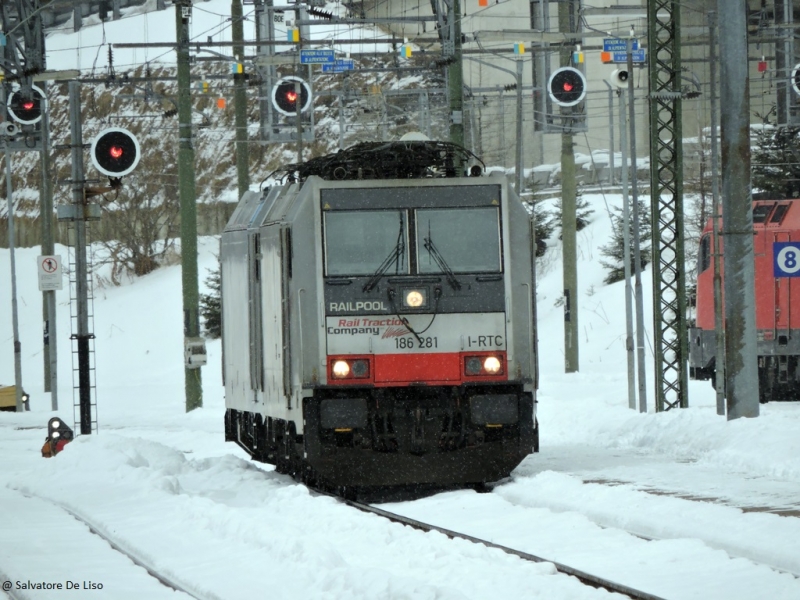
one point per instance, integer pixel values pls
(115, 153)
(25, 107)
(567, 88)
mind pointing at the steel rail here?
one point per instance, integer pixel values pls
(165, 580)
(582, 576)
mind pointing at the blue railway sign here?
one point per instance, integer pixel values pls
(341, 65)
(317, 57)
(786, 259)
(617, 45)
(638, 56)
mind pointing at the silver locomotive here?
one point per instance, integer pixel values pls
(381, 332)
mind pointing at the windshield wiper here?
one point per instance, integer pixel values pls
(448, 272)
(395, 257)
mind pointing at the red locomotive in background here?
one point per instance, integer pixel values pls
(777, 295)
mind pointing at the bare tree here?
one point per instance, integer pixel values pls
(142, 221)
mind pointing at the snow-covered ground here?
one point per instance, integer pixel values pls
(164, 486)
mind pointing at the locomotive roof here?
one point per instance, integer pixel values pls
(778, 215)
(408, 159)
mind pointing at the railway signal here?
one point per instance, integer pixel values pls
(115, 152)
(619, 78)
(26, 107)
(59, 434)
(286, 99)
(567, 86)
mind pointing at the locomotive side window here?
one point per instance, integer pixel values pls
(359, 242)
(466, 239)
(779, 213)
(761, 212)
(704, 260)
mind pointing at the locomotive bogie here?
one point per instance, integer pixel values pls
(381, 332)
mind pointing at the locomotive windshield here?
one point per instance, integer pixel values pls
(468, 240)
(360, 242)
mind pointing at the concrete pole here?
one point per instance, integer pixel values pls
(520, 165)
(626, 254)
(569, 192)
(503, 129)
(240, 100)
(455, 79)
(719, 328)
(341, 121)
(14, 313)
(611, 165)
(741, 371)
(298, 90)
(186, 191)
(637, 253)
(50, 353)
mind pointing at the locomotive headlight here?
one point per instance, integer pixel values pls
(341, 369)
(414, 298)
(492, 365)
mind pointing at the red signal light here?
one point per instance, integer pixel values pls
(287, 99)
(567, 86)
(26, 106)
(115, 152)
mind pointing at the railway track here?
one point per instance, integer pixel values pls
(162, 578)
(582, 576)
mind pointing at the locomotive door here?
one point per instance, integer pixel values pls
(255, 330)
(274, 274)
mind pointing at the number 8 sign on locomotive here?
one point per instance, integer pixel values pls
(787, 259)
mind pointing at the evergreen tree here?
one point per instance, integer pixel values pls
(615, 249)
(211, 305)
(582, 212)
(545, 225)
(776, 162)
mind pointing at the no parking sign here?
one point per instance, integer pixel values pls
(786, 261)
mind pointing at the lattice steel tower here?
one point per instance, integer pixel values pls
(666, 185)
